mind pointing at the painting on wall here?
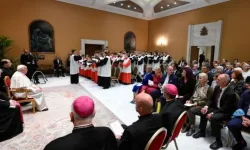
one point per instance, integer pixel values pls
(129, 42)
(41, 37)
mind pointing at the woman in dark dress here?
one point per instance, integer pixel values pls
(186, 85)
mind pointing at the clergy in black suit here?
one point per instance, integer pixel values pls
(6, 71)
(172, 110)
(218, 109)
(137, 135)
(11, 123)
(58, 65)
(84, 136)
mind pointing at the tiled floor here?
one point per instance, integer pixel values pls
(117, 100)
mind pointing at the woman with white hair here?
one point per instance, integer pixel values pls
(246, 71)
(198, 100)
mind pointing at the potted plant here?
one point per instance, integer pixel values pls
(5, 43)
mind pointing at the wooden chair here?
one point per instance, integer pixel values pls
(176, 130)
(12, 91)
(116, 75)
(135, 73)
(157, 140)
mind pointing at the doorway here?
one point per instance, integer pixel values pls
(208, 52)
(90, 49)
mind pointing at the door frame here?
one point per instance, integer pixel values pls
(217, 43)
(94, 42)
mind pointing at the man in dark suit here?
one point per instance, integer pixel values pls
(6, 71)
(206, 69)
(169, 78)
(137, 135)
(218, 109)
(58, 65)
(172, 109)
(84, 136)
(29, 60)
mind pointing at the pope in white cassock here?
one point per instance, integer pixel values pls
(20, 80)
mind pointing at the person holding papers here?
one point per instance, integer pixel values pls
(137, 135)
(153, 84)
(198, 100)
(146, 77)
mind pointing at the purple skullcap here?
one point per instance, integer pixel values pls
(84, 106)
(170, 89)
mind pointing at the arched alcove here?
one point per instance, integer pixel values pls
(41, 37)
(129, 42)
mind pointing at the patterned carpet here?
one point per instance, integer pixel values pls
(42, 127)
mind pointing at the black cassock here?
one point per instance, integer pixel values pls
(74, 78)
(11, 123)
(88, 138)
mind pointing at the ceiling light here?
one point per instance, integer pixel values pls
(121, 4)
(128, 6)
(134, 7)
(175, 3)
(168, 5)
(161, 7)
(114, 2)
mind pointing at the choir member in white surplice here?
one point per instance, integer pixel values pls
(20, 80)
(105, 71)
(74, 67)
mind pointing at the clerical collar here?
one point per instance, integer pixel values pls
(83, 126)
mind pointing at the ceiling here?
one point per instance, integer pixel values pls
(144, 9)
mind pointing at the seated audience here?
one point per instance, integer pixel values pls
(147, 76)
(84, 135)
(172, 110)
(238, 82)
(20, 80)
(6, 71)
(199, 99)
(58, 65)
(11, 119)
(241, 119)
(137, 135)
(218, 109)
(169, 78)
(153, 85)
(187, 85)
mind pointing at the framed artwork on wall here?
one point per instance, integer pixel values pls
(129, 42)
(41, 35)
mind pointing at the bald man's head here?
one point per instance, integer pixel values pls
(144, 104)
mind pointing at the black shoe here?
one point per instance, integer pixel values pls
(190, 132)
(105, 88)
(63, 75)
(240, 146)
(185, 129)
(199, 134)
(132, 102)
(46, 109)
(216, 145)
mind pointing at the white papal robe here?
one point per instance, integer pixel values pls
(20, 80)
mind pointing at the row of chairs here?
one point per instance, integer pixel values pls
(157, 140)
